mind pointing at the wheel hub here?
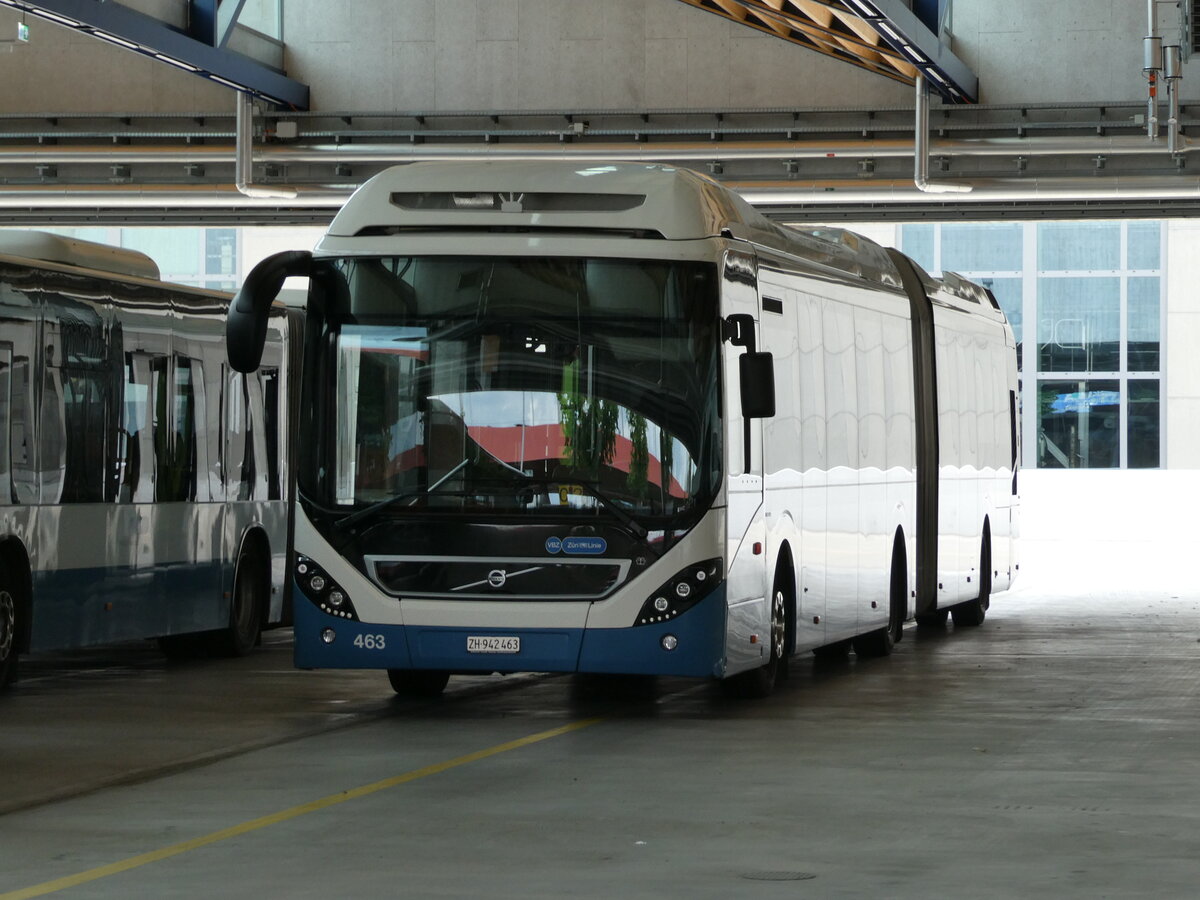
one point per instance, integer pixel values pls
(778, 625)
(8, 623)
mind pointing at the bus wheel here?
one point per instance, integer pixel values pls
(933, 620)
(8, 630)
(418, 682)
(881, 642)
(245, 609)
(760, 682)
(833, 653)
(973, 612)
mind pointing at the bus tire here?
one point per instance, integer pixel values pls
(882, 641)
(418, 682)
(833, 653)
(933, 621)
(10, 627)
(761, 682)
(972, 613)
(250, 586)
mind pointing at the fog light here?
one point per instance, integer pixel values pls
(328, 635)
(669, 642)
(336, 599)
(317, 583)
(661, 604)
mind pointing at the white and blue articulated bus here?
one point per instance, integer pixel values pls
(143, 483)
(612, 419)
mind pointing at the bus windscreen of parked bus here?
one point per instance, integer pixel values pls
(566, 391)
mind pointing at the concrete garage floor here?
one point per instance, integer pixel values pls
(1053, 752)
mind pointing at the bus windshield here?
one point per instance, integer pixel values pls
(463, 385)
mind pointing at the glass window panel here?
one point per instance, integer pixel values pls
(1079, 324)
(1078, 424)
(1145, 424)
(176, 250)
(1144, 324)
(1145, 243)
(917, 241)
(1079, 245)
(1008, 294)
(987, 247)
(220, 251)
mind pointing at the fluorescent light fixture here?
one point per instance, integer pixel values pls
(54, 17)
(889, 32)
(937, 76)
(866, 10)
(225, 81)
(187, 67)
(113, 39)
(914, 54)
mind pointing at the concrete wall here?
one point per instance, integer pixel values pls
(1182, 338)
(557, 54)
(577, 54)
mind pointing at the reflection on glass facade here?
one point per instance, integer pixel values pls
(1092, 293)
(1079, 324)
(1079, 424)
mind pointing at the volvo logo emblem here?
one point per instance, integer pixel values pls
(497, 577)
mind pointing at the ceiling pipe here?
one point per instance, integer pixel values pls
(984, 190)
(243, 155)
(220, 196)
(1152, 64)
(760, 193)
(1173, 75)
(921, 148)
(664, 152)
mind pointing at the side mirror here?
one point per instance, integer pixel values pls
(757, 371)
(246, 321)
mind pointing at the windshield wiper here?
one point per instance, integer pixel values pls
(590, 488)
(379, 506)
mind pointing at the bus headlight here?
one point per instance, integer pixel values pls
(322, 591)
(681, 593)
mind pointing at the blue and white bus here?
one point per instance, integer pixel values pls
(612, 419)
(143, 484)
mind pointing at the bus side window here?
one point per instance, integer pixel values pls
(5, 427)
(270, 418)
(183, 429)
(239, 456)
(52, 436)
(22, 436)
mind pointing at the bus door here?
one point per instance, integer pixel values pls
(749, 615)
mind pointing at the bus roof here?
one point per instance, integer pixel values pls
(55, 248)
(654, 200)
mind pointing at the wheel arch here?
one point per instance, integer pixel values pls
(16, 560)
(256, 542)
(899, 590)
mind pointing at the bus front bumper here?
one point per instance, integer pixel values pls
(323, 641)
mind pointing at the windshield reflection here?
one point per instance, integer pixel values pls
(567, 386)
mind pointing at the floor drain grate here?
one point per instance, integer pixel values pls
(778, 876)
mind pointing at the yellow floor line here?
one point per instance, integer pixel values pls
(133, 862)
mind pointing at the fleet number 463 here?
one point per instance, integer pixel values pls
(369, 641)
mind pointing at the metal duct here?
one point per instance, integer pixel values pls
(243, 155)
(662, 152)
(760, 193)
(921, 149)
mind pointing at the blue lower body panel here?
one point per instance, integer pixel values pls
(700, 633)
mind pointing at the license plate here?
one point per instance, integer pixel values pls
(493, 644)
